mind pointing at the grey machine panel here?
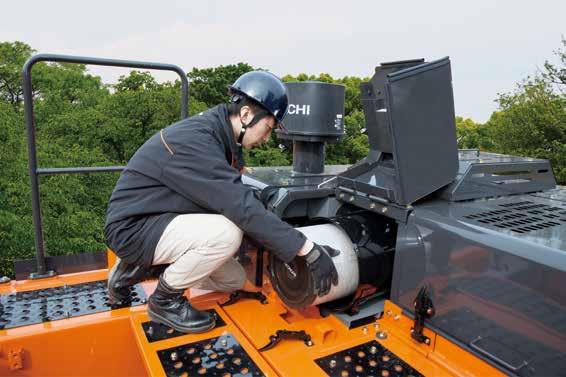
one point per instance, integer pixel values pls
(495, 270)
(421, 114)
(417, 114)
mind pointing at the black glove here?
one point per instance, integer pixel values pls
(319, 261)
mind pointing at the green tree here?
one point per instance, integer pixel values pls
(531, 121)
(472, 135)
(210, 85)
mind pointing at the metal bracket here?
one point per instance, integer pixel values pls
(238, 295)
(287, 334)
(423, 309)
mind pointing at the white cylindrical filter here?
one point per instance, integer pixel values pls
(294, 282)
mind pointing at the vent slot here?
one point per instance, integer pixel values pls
(520, 217)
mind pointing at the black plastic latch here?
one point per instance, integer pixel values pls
(423, 309)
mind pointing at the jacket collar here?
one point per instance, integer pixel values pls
(237, 154)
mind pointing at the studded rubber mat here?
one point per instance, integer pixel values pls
(222, 356)
(32, 307)
(368, 359)
(155, 332)
(512, 350)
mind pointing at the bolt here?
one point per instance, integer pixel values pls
(150, 330)
(372, 206)
(373, 350)
(365, 329)
(341, 196)
(397, 317)
(332, 363)
(310, 343)
(429, 311)
(384, 209)
(427, 341)
(382, 335)
(352, 198)
(174, 356)
(223, 342)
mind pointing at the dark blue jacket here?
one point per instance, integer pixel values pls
(188, 168)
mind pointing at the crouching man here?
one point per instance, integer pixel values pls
(179, 209)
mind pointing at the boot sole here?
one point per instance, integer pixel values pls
(188, 330)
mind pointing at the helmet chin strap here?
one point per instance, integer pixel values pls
(259, 116)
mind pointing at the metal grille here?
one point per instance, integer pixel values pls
(221, 356)
(522, 217)
(155, 332)
(32, 307)
(368, 359)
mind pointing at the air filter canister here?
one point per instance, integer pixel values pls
(293, 281)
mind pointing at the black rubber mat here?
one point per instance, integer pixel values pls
(516, 352)
(155, 332)
(221, 356)
(32, 307)
(368, 359)
(514, 296)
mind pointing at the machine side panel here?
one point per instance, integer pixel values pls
(507, 309)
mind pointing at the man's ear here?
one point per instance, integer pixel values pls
(246, 114)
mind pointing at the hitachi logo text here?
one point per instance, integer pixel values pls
(299, 109)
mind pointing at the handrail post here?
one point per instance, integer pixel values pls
(34, 172)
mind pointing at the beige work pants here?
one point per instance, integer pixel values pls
(200, 250)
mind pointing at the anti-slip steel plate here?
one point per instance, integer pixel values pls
(32, 307)
(155, 332)
(368, 359)
(222, 356)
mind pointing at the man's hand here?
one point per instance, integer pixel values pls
(319, 261)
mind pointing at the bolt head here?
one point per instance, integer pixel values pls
(382, 335)
(427, 341)
(397, 317)
(174, 356)
(365, 329)
(429, 311)
(309, 343)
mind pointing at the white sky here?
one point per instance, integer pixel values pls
(492, 44)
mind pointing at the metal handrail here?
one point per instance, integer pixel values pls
(35, 172)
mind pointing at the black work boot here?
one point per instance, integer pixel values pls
(168, 306)
(123, 276)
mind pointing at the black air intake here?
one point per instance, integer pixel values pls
(315, 116)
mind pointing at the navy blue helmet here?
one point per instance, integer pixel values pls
(264, 88)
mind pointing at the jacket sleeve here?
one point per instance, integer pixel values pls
(199, 171)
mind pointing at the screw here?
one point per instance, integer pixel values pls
(397, 317)
(427, 341)
(372, 206)
(352, 198)
(373, 350)
(429, 311)
(382, 335)
(150, 330)
(310, 343)
(174, 356)
(223, 342)
(365, 329)
(332, 363)
(384, 209)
